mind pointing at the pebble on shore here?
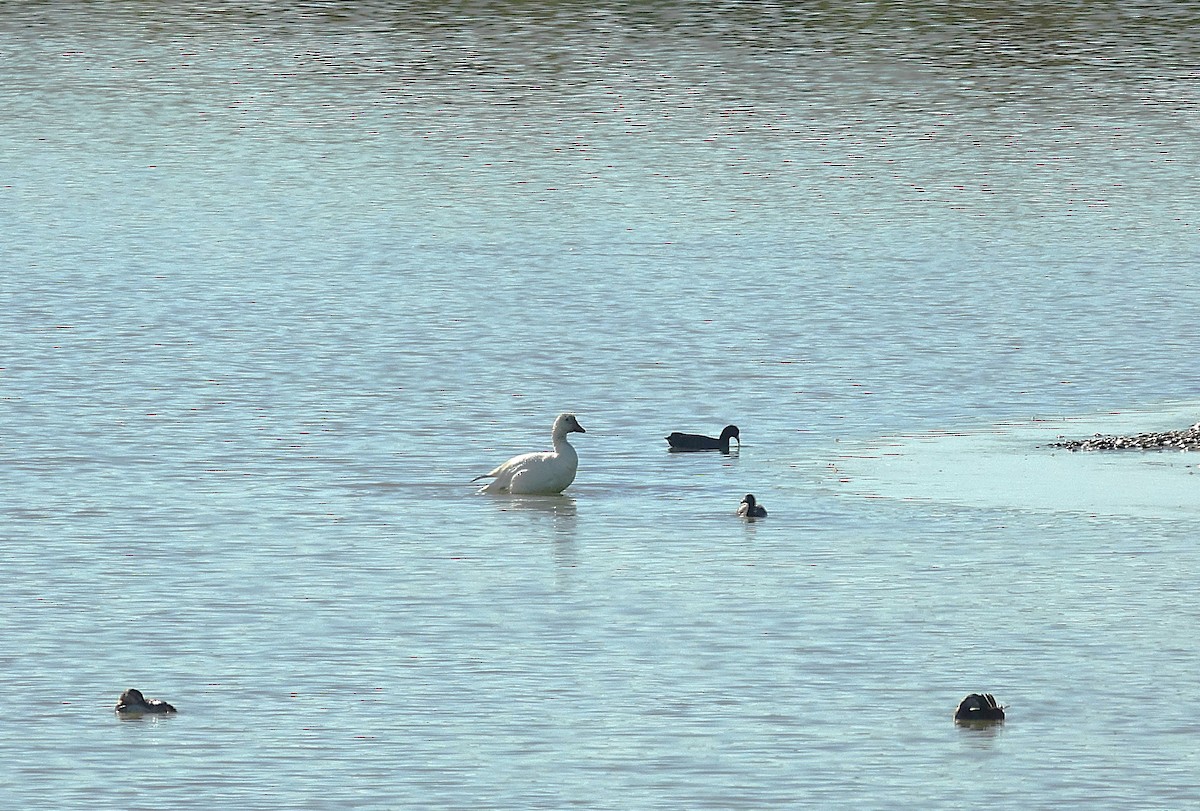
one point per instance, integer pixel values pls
(1186, 440)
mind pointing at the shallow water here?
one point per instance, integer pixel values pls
(1015, 466)
(280, 283)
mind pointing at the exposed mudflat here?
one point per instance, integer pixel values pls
(1186, 440)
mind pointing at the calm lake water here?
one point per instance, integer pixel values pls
(280, 280)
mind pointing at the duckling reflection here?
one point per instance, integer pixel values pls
(133, 704)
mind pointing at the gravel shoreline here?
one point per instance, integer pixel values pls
(1186, 440)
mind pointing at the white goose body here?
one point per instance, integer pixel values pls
(546, 473)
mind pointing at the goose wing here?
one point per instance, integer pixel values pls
(503, 473)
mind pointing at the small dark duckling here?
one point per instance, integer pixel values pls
(134, 705)
(979, 707)
(699, 442)
(749, 508)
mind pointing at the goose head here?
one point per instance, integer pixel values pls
(567, 424)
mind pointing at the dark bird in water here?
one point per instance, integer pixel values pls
(749, 508)
(979, 707)
(699, 442)
(134, 705)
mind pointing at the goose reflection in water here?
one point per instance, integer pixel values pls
(563, 506)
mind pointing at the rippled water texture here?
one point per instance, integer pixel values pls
(279, 281)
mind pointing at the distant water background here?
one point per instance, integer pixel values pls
(279, 279)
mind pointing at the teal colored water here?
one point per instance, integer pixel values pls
(279, 282)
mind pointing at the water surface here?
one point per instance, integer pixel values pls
(280, 282)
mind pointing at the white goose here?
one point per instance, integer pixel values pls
(544, 474)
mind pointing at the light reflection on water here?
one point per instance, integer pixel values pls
(281, 282)
(1013, 466)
